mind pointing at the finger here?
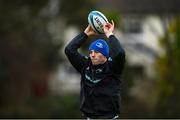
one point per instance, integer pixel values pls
(89, 26)
(112, 22)
(107, 24)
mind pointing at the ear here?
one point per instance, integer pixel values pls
(104, 57)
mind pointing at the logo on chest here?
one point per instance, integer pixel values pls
(92, 76)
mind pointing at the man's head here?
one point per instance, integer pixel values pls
(99, 51)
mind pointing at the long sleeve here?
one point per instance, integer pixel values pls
(117, 53)
(71, 51)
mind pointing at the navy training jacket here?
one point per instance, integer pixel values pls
(101, 84)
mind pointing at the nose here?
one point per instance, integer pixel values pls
(92, 54)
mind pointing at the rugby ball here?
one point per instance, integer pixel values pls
(96, 20)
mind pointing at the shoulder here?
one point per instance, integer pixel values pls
(110, 59)
(110, 62)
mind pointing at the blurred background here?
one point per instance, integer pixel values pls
(37, 80)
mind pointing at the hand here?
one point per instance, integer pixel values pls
(109, 28)
(89, 31)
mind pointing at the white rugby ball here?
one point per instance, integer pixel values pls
(96, 20)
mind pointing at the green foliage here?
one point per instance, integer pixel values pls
(66, 106)
(168, 67)
(115, 16)
(49, 107)
(27, 52)
(76, 12)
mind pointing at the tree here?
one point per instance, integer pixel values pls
(168, 67)
(27, 54)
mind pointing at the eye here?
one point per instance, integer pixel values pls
(96, 51)
(90, 52)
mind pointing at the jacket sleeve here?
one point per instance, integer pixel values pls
(117, 54)
(71, 51)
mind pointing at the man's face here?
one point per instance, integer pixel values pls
(97, 58)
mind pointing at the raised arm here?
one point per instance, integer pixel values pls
(116, 51)
(71, 51)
